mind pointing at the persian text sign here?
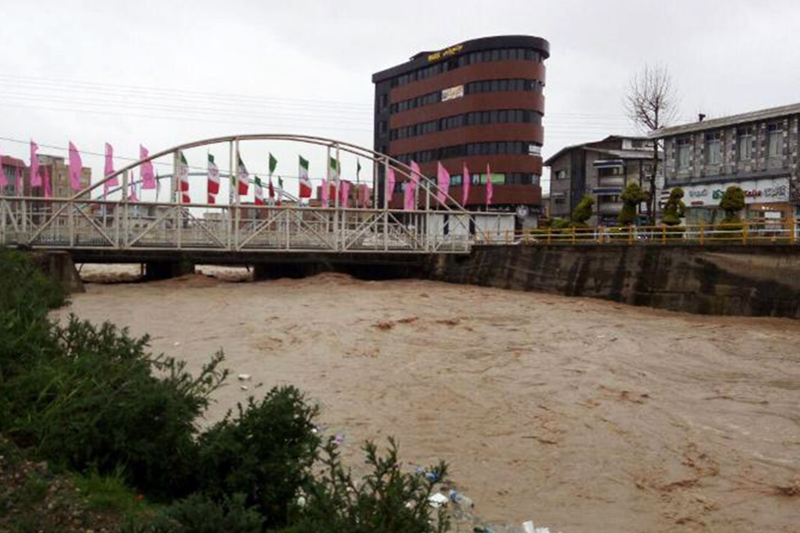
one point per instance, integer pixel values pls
(447, 52)
(755, 192)
(452, 93)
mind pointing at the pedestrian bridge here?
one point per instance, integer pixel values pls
(90, 222)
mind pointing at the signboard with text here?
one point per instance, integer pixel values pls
(452, 93)
(755, 192)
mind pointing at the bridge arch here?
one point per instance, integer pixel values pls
(429, 186)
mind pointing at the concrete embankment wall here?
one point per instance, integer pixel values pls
(720, 280)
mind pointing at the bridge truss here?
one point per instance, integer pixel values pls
(85, 223)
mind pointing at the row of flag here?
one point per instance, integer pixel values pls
(442, 183)
(149, 180)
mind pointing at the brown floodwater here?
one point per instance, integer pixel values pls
(582, 415)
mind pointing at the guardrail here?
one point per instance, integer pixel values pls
(734, 234)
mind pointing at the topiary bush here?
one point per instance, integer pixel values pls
(632, 196)
(266, 453)
(732, 203)
(582, 212)
(674, 208)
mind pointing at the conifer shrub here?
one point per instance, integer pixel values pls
(265, 453)
(199, 514)
(388, 499)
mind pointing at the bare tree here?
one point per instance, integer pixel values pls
(652, 104)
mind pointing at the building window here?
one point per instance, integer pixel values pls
(683, 151)
(714, 148)
(559, 201)
(561, 175)
(746, 143)
(774, 140)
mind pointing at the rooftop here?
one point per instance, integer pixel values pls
(753, 116)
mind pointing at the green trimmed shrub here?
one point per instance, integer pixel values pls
(632, 196)
(582, 212)
(732, 203)
(674, 208)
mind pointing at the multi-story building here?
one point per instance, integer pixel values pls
(58, 170)
(758, 151)
(601, 169)
(479, 102)
(13, 169)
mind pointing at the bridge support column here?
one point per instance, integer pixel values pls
(156, 270)
(59, 266)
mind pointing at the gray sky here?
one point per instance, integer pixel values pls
(165, 72)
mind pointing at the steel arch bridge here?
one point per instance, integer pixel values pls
(82, 223)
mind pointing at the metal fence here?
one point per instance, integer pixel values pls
(101, 224)
(734, 234)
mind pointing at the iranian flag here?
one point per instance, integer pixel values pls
(280, 190)
(243, 178)
(334, 164)
(183, 173)
(305, 181)
(213, 176)
(259, 192)
(271, 190)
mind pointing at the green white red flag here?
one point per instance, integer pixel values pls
(259, 192)
(243, 177)
(213, 176)
(305, 181)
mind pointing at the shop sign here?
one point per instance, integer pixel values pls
(755, 192)
(447, 52)
(452, 93)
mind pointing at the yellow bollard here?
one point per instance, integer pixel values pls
(573, 235)
(549, 235)
(744, 233)
(630, 234)
(663, 235)
(702, 234)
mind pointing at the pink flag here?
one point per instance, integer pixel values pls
(324, 193)
(443, 178)
(408, 195)
(36, 180)
(3, 180)
(132, 197)
(110, 168)
(389, 192)
(364, 195)
(465, 180)
(48, 185)
(415, 173)
(489, 186)
(344, 192)
(75, 167)
(19, 187)
(146, 170)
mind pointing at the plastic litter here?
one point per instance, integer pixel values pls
(244, 377)
(243, 387)
(464, 502)
(437, 500)
(528, 527)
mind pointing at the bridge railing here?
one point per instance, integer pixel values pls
(122, 225)
(749, 232)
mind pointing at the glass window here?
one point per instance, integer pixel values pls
(683, 151)
(714, 148)
(746, 143)
(774, 140)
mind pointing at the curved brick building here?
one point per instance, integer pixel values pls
(477, 102)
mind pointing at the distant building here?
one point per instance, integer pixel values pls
(58, 170)
(477, 102)
(601, 169)
(11, 167)
(758, 151)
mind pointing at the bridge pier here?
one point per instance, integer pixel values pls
(158, 270)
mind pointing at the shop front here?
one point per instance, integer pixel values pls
(766, 201)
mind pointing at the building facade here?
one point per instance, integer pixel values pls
(58, 170)
(479, 102)
(758, 151)
(602, 170)
(14, 171)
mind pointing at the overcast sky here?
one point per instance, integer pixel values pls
(166, 72)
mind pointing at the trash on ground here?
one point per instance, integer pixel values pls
(437, 500)
(244, 377)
